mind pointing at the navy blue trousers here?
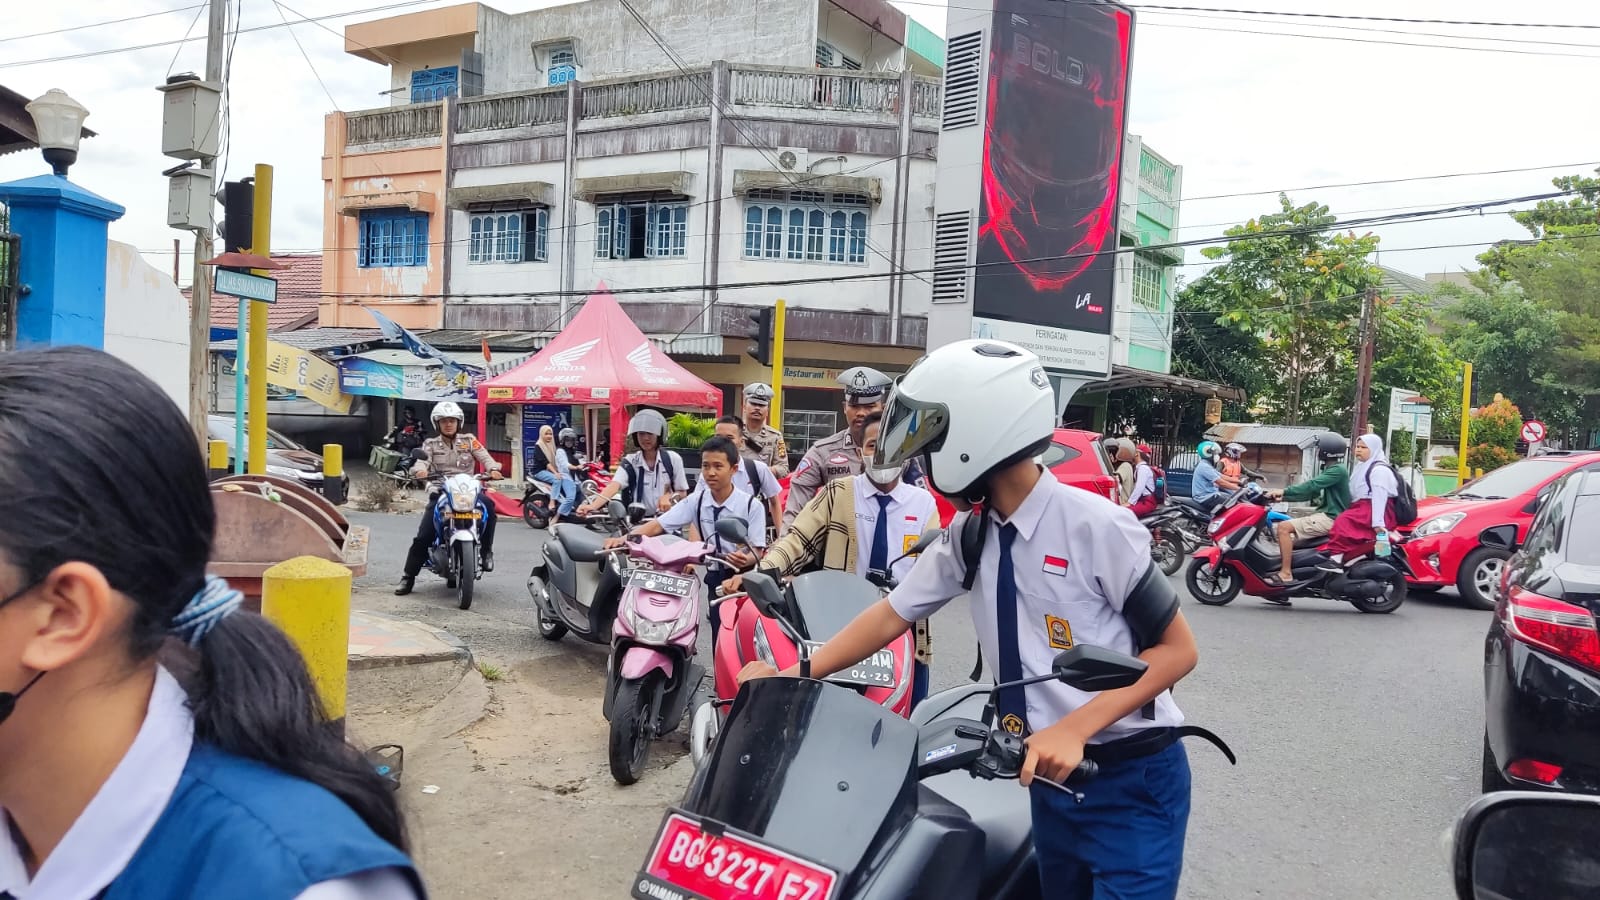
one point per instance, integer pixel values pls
(919, 683)
(1125, 840)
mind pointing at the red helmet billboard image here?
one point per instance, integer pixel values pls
(1057, 96)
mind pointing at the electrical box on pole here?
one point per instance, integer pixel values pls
(189, 113)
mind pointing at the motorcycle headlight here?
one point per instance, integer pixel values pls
(461, 499)
(1439, 524)
(649, 631)
(1214, 527)
(763, 646)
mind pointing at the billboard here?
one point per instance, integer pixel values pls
(1055, 118)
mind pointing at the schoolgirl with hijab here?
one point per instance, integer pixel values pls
(155, 740)
(1373, 487)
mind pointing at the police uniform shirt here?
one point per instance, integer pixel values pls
(911, 511)
(1075, 558)
(702, 510)
(654, 478)
(459, 456)
(835, 456)
(768, 446)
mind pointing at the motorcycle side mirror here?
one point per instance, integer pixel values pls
(419, 455)
(1500, 833)
(927, 540)
(733, 529)
(1093, 669)
(616, 510)
(1500, 537)
(764, 593)
(637, 512)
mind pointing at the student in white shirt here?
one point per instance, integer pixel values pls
(651, 475)
(120, 779)
(765, 488)
(713, 498)
(1058, 566)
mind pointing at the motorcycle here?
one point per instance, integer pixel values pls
(820, 604)
(854, 802)
(1246, 552)
(651, 674)
(538, 502)
(577, 585)
(458, 515)
(1169, 543)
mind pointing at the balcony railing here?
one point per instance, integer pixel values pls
(750, 87)
(541, 107)
(396, 123)
(649, 94)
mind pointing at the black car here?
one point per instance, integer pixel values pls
(1542, 656)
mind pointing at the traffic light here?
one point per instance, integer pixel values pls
(761, 333)
(238, 217)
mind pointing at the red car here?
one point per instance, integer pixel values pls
(1446, 547)
(1074, 457)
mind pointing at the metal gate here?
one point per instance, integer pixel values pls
(10, 263)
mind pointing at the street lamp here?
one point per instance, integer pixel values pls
(58, 119)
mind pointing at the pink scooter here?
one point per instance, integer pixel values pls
(651, 675)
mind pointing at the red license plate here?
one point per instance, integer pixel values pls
(688, 863)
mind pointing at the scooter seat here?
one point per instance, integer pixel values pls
(580, 544)
(1307, 557)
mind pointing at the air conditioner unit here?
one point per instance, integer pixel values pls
(792, 159)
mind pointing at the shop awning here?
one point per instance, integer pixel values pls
(1124, 377)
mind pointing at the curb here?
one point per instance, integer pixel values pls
(453, 649)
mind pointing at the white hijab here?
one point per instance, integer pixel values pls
(1382, 476)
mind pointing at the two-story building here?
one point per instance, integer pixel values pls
(686, 159)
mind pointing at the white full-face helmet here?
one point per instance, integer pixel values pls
(967, 409)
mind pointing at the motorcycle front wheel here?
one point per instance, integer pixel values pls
(632, 730)
(466, 554)
(1212, 587)
(1167, 554)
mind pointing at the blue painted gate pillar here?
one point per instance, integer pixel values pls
(63, 272)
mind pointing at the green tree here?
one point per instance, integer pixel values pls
(1292, 288)
(1561, 217)
(1511, 341)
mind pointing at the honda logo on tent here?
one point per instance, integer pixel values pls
(643, 359)
(563, 362)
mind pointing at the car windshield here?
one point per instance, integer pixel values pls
(222, 430)
(1511, 481)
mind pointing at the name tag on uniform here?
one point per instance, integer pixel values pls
(1055, 565)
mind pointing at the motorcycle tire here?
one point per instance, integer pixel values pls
(466, 573)
(631, 728)
(549, 628)
(536, 514)
(1166, 553)
(1387, 604)
(1230, 584)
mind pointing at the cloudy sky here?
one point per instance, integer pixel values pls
(1248, 105)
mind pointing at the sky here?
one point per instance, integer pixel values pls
(1242, 104)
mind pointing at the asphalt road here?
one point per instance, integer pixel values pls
(1358, 736)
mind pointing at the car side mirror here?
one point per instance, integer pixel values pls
(1500, 537)
(733, 530)
(1092, 669)
(1517, 845)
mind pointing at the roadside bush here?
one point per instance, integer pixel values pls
(1489, 458)
(684, 430)
(1402, 448)
(1451, 462)
(375, 494)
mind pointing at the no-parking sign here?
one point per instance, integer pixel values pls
(1533, 431)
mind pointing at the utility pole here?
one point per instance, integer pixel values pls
(1369, 340)
(200, 287)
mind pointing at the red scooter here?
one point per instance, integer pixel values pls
(817, 606)
(1246, 553)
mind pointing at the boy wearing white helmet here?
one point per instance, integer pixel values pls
(651, 475)
(1054, 566)
(449, 452)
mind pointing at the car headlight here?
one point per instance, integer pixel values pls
(1439, 524)
(763, 646)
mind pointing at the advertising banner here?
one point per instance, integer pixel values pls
(428, 383)
(1052, 169)
(307, 374)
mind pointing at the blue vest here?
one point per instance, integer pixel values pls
(238, 829)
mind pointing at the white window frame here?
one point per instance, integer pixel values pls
(508, 236)
(666, 229)
(1147, 283)
(807, 226)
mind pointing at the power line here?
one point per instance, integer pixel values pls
(69, 28)
(304, 55)
(1352, 17)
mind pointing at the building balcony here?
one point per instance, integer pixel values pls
(770, 92)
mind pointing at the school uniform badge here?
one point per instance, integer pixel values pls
(1060, 631)
(1013, 723)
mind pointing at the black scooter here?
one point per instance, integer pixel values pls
(812, 790)
(576, 585)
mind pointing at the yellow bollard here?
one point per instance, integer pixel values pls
(217, 458)
(333, 472)
(309, 600)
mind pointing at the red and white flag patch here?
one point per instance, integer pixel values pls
(1055, 565)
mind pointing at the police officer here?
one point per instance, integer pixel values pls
(450, 452)
(762, 441)
(838, 455)
(1058, 566)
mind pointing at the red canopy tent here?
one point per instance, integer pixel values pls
(602, 358)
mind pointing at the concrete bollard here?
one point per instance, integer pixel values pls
(333, 473)
(217, 458)
(309, 600)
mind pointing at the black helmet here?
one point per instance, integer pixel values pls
(1331, 444)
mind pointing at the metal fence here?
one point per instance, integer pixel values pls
(10, 263)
